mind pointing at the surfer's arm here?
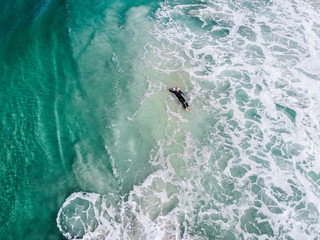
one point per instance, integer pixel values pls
(173, 90)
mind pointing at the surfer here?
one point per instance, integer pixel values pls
(179, 94)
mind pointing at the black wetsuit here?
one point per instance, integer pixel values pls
(179, 95)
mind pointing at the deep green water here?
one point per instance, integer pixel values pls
(93, 146)
(38, 79)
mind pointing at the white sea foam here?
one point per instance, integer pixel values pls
(244, 162)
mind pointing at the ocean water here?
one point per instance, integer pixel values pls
(93, 146)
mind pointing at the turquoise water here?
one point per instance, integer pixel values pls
(93, 146)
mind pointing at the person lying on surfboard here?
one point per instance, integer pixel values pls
(179, 94)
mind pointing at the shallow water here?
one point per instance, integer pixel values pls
(96, 147)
